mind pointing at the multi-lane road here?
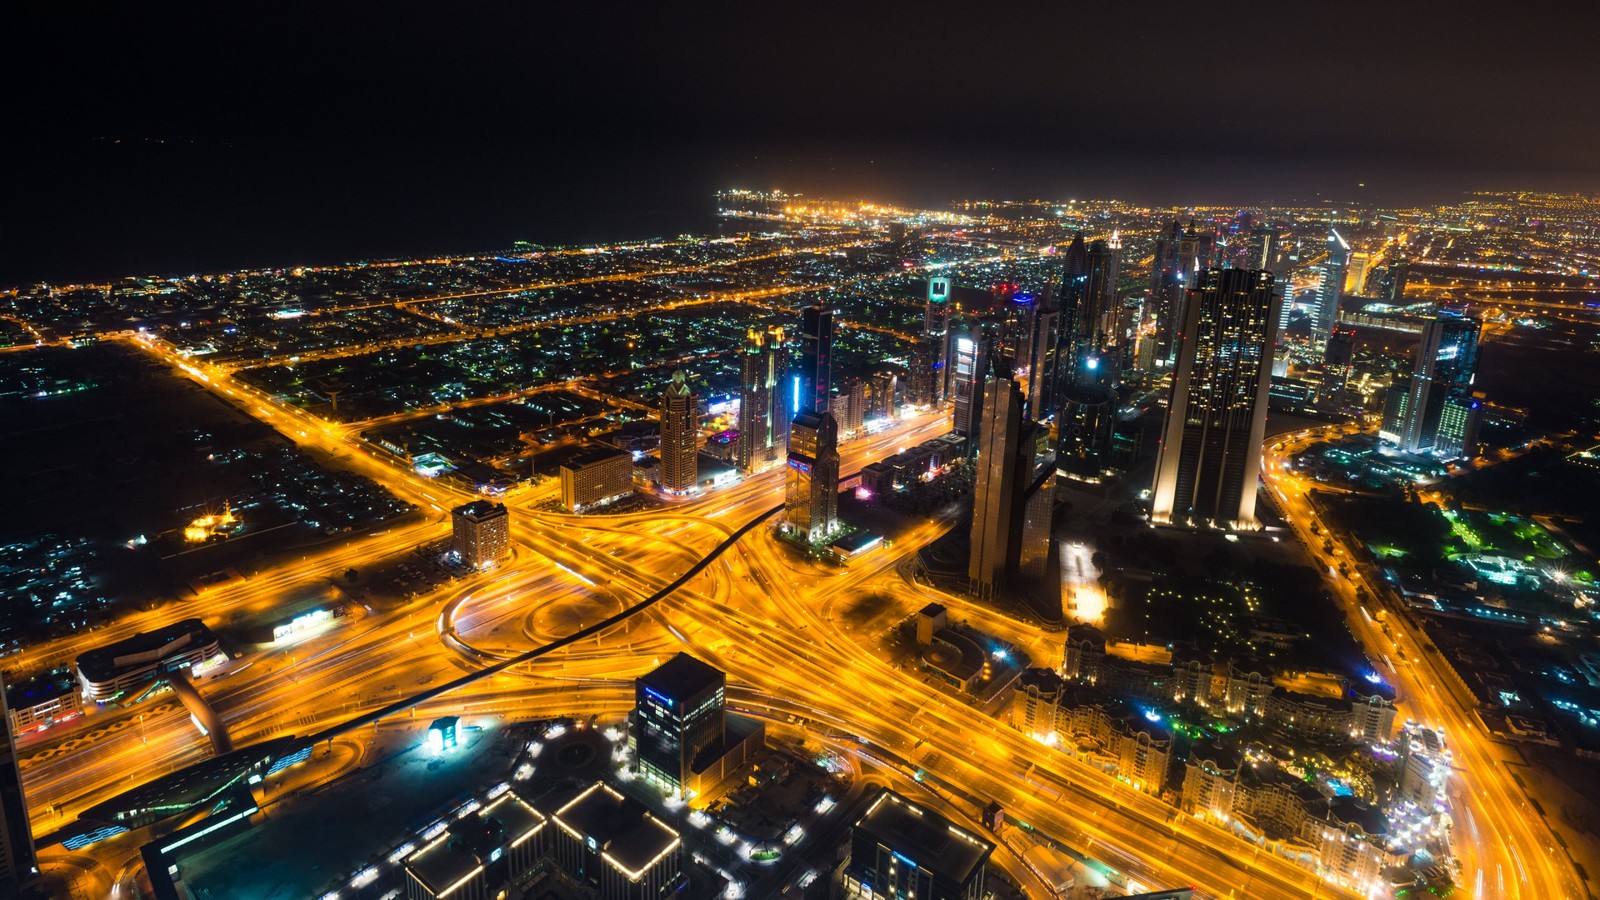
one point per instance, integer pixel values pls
(770, 620)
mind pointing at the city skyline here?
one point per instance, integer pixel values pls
(886, 452)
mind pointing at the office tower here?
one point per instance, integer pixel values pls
(1086, 398)
(851, 407)
(680, 429)
(1105, 265)
(1325, 312)
(816, 371)
(969, 364)
(1038, 509)
(1394, 288)
(900, 850)
(1441, 378)
(758, 379)
(1259, 248)
(480, 533)
(1210, 455)
(677, 714)
(936, 313)
(1355, 280)
(783, 389)
(1337, 356)
(811, 500)
(1166, 291)
(613, 848)
(1005, 468)
(1044, 359)
(881, 396)
(19, 867)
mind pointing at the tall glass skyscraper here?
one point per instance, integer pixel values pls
(811, 498)
(1434, 411)
(1330, 286)
(1210, 455)
(816, 366)
(758, 380)
(680, 431)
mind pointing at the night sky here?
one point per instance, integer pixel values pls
(346, 130)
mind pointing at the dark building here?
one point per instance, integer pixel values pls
(930, 363)
(1210, 455)
(811, 498)
(1337, 356)
(677, 715)
(1168, 274)
(816, 368)
(19, 866)
(1086, 400)
(901, 850)
(1004, 475)
(680, 430)
(480, 533)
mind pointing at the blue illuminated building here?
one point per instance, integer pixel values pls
(677, 714)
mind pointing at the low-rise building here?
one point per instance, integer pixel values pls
(38, 703)
(901, 850)
(481, 855)
(594, 477)
(615, 847)
(107, 672)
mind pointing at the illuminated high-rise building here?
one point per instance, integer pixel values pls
(480, 533)
(677, 714)
(816, 367)
(1044, 360)
(1438, 397)
(1005, 469)
(929, 377)
(758, 379)
(680, 432)
(1210, 457)
(969, 362)
(1325, 311)
(881, 397)
(19, 865)
(811, 497)
(1166, 292)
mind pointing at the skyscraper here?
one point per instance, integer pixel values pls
(758, 378)
(930, 356)
(898, 849)
(1330, 285)
(816, 368)
(1210, 455)
(1087, 394)
(1043, 360)
(850, 407)
(1005, 468)
(1441, 380)
(677, 714)
(969, 363)
(19, 866)
(811, 499)
(1259, 248)
(1166, 292)
(1337, 356)
(680, 427)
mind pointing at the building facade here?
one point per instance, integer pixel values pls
(480, 533)
(900, 850)
(594, 477)
(680, 434)
(811, 499)
(1210, 457)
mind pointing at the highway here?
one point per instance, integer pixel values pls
(1505, 848)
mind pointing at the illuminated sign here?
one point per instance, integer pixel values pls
(658, 695)
(799, 466)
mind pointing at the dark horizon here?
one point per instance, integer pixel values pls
(152, 140)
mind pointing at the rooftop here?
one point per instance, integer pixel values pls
(928, 839)
(469, 842)
(627, 835)
(588, 456)
(683, 676)
(480, 509)
(101, 662)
